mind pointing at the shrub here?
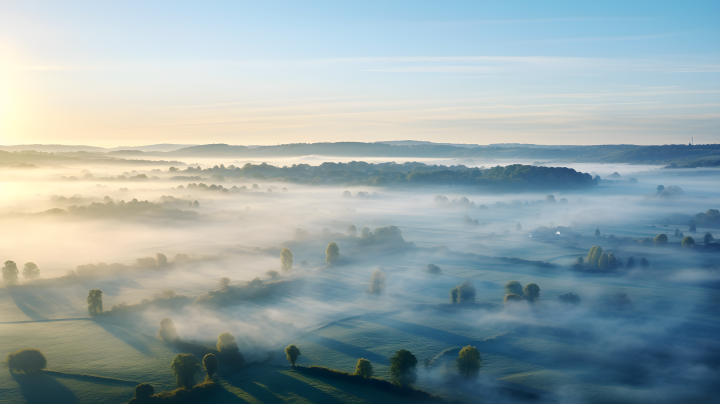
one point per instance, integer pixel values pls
(28, 360)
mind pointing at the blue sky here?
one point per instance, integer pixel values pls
(138, 72)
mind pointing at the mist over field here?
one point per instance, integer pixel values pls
(202, 246)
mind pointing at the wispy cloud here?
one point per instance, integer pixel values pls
(526, 21)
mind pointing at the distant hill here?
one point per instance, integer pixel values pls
(672, 155)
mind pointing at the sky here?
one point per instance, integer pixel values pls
(115, 73)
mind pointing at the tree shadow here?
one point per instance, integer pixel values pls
(108, 381)
(30, 302)
(134, 340)
(347, 349)
(278, 387)
(43, 389)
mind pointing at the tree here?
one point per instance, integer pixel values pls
(10, 273)
(332, 253)
(31, 271)
(661, 239)
(612, 262)
(184, 367)
(688, 242)
(94, 301)
(644, 263)
(143, 391)
(518, 227)
(692, 228)
(226, 343)
(292, 353)
(468, 361)
(531, 292)
(707, 238)
(224, 282)
(512, 297)
(514, 287)
(351, 231)
(161, 259)
(273, 273)
(28, 360)
(630, 263)
(167, 332)
(454, 295)
(402, 368)
(286, 259)
(603, 261)
(594, 255)
(569, 297)
(463, 293)
(364, 368)
(210, 363)
(580, 261)
(677, 232)
(433, 269)
(550, 199)
(377, 282)
(597, 232)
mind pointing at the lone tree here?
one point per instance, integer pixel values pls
(468, 361)
(514, 287)
(403, 368)
(518, 227)
(28, 360)
(513, 297)
(210, 363)
(644, 263)
(10, 273)
(94, 301)
(661, 239)
(31, 271)
(351, 231)
(597, 232)
(677, 232)
(463, 293)
(364, 368)
(292, 353)
(286, 259)
(692, 228)
(532, 292)
(228, 347)
(143, 391)
(167, 332)
(630, 263)
(433, 269)
(377, 282)
(161, 259)
(184, 367)
(688, 242)
(224, 282)
(332, 253)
